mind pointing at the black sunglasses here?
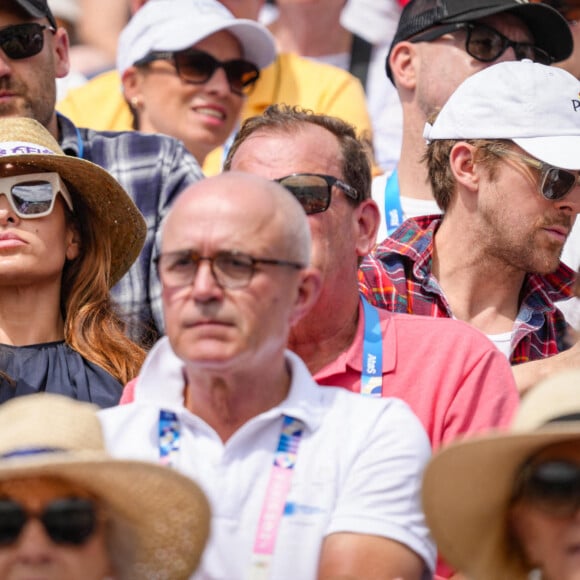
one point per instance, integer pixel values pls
(70, 520)
(553, 486)
(314, 190)
(485, 43)
(197, 67)
(23, 40)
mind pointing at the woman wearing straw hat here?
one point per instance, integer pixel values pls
(507, 506)
(68, 232)
(69, 511)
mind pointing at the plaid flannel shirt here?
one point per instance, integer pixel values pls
(397, 276)
(153, 169)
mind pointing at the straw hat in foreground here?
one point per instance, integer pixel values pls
(468, 485)
(48, 435)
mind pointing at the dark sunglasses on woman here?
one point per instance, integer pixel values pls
(70, 520)
(197, 67)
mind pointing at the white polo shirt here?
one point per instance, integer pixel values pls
(358, 468)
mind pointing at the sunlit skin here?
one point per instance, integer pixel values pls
(510, 230)
(27, 87)
(445, 63)
(550, 543)
(33, 253)
(340, 235)
(34, 556)
(232, 341)
(200, 115)
(529, 232)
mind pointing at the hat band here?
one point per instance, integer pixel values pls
(23, 148)
(31, 451)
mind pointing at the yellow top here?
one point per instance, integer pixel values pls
(291, 79)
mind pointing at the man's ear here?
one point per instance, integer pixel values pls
(462, 163)
(403, 61)
(367, 220)
(60, 43)
(308, 292)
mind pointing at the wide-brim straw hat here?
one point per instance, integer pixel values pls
(468, 485)
(49, 435)
(26, 142)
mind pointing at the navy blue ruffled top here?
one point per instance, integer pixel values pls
(54, 367)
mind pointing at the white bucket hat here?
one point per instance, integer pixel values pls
(534, 105)
(173, 25)
(167, 514)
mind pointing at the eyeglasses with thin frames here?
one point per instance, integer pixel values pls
(197, 67)
(231, 270)
(555, 183)
(20, 41)
(33, 195)
(485, 43)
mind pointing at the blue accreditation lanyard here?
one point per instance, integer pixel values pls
(276, 493)
(80, 144)
(371, 380)
(393, 208)
(169, 437)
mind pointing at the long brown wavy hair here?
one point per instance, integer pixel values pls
(92, 326)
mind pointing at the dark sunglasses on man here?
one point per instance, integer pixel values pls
(314, 191)
(20, 41)
(197, 67)
(485, 43)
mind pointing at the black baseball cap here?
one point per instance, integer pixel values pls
(36, 9)
(549, 28)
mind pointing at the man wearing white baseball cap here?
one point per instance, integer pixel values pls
(503, 157)
(191, 81)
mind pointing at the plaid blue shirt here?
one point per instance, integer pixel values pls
(153, 169)
(397, 276)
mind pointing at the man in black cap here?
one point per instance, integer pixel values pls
(153, 169)
(438, 44)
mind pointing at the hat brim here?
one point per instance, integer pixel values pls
(562, 151)
(167, 512)
(466, 491)
(117, 215)
(549, 29)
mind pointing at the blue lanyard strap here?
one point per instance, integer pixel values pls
(371, 380)
(393, 209)
(80, 144)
